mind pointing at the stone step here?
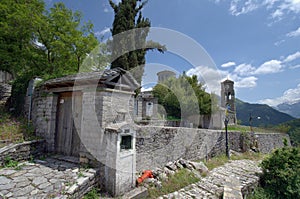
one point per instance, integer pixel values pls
(228, 181)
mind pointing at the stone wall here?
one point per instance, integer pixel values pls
(5, 92)
(156, 146)
(43, 116)
(22, 151)
(269, 141)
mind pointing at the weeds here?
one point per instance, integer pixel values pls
(220, 160)
(14, 130)
(93, 194)
(180, 179)
(216, 161)
(80, 174)
(9, 163)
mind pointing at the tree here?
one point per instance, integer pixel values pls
(128, 17)
(18, 21)
(183, 97)
(35, 42)
(281, 173)
(63, 42)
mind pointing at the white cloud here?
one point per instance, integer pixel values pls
(277, 14)
(295, 33)
(116, 1)
(247, 82)
(106, 10)
(146, 89)
(289, 96)
(277, 8)
(102, 32)
(244, 69)
(292, 57)
(272, 66)
(211, 77)
(228, 64)
(294, 67)
(238, 7)
(285, 7)
(277, 43)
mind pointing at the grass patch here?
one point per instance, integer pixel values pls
(14, 130)
(220, 160)
(216, 161)
(180, 179)
(9, 163)
(93, 194)
(249, 156)
(245, 129)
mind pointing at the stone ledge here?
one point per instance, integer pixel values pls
(137, 193)
(22, 151)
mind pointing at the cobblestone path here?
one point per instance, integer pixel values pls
(239, 173)
(49, 178)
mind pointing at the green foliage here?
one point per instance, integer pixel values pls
(14, 129)
(180, 179)
(216, 161)
(18, 21)
(220, 160)
(129, 49)
(48, 44)
(183, 97)
(260, 193)
(9, 163)
(281, 173)
(93, 194)
(293, 129)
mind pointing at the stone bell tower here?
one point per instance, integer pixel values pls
(228, 99)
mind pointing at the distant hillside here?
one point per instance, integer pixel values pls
(291, 109)
(263, 115)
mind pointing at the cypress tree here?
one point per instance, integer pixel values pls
(128, 17)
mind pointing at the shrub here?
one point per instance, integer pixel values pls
(281, 170)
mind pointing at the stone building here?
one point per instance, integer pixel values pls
(145, 106)
(228, 100)
(90, 116)
(164, 75)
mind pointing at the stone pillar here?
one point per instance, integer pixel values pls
(120, 166)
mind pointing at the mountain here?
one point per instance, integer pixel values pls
(262, 114)
(291, 109)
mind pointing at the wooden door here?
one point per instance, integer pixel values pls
(68, 122)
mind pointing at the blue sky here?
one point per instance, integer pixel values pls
(256, 43)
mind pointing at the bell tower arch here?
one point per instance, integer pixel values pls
(228, 99)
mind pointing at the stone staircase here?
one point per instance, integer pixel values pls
(233, 180)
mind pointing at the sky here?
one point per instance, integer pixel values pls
(255, 43)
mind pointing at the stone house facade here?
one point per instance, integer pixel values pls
(84, 115)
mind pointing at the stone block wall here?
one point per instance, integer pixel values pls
(22, 151)
(5, 92)
(156, 146)
(267, 142)
(43, 116)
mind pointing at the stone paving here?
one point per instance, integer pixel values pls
(49, 178)
(239, 174)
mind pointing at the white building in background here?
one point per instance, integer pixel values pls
(164, 75)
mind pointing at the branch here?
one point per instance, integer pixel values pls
(113, 5)
(151, 45)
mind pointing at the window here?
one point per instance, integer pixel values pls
(126, 142)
